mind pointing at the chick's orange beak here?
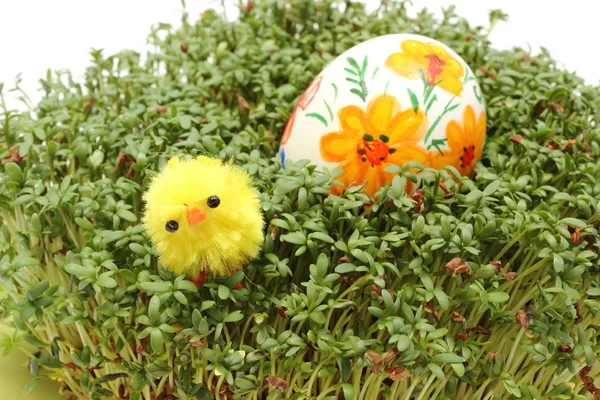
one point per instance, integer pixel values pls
(195, 215)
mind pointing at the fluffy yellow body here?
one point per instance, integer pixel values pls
(193, 235)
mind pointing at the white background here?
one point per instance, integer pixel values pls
(58, 34)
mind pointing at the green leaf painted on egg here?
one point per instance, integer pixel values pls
(329, 110)
(353, 63)
(351, 71)
(357, 77)
(360, 94)
(413, 100)
(374, 73)
(319, 117)
(363, 69)
(335, 90)
(478, 95)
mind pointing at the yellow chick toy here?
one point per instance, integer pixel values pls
(204, 217)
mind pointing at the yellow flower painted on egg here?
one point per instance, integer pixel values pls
(429, 62)
(465, 142)
(372, 139)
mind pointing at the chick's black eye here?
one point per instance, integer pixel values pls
(172, 226)
(213, 201)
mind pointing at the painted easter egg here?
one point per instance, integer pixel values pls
(388, 101)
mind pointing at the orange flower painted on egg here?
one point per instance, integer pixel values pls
(465, 142)
(429, 62)
(372, 139)
(305, 100)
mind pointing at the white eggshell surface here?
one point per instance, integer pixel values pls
(387, 101)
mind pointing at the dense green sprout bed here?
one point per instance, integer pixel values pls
(353, 298)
